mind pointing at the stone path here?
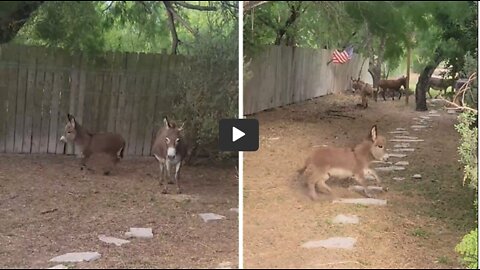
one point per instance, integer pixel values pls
(141, 233)
(404, 143)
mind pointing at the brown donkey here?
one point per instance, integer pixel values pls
(344, 163)
(393, 85)
(110, 144)
(170, 150)
(366, 90)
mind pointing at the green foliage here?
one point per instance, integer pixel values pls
(210, 92)
(468, 157)
(468, 147)
(122, 26)
(468, 249)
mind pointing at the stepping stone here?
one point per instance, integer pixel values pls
(435, 115)
(398, 178)
(370, 188)
(274, 139)
(451, 111)
(416, 129)
(225, 265)
(417, 176)
(112, 240)
(332, 243)
(210, 216)
(406, 137)
(362, 201)
(59, 266)
(402, 163)
(346, 219)
(425, 117)
(77, 257)
(382, 162)
(398, 132)
(234, 210)
(401, 145)
(180, 198)
(404, 150)
(396, 155)
(401, 129)
(406, 140)
(433, 112)
(419, 126)
(140, 233)
(390, 169)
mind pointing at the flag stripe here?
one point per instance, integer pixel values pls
(342, 57)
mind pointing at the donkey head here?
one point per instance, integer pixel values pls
(378, 144)
(70, 129)
(173, 138)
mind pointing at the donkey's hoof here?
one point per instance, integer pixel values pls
(164, 191)
(179, 191)
(106, 173)
(170, 182)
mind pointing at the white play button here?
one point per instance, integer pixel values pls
(236, 134)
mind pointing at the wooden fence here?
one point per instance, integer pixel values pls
(284, 75)
(128, 93)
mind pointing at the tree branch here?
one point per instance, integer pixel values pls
(173, 29)
(10, 25)
(182, 21)
(195, 7)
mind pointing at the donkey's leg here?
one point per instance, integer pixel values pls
(162, 177)
(361, 180)
(168, 167)
(177, 176)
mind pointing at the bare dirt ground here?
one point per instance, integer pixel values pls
(49, 207)
(418, 228)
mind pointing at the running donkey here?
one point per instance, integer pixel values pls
(344, 163)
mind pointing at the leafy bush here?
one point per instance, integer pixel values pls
(468, 157)
(468, 249)
(207, 88)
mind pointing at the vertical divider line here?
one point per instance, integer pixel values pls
(240, 116)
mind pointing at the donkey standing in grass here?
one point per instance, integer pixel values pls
(110, 144)
(170, 149)
(344, 163)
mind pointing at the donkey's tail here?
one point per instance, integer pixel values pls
(121, 150)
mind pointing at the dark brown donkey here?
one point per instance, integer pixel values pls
(393, 85)
(93, 143)
(170, 149)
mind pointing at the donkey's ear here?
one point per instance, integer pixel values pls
(181, 127)
(71, 119)
(373, 133)
(165, 121)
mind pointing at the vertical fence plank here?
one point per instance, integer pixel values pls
(120, 113)
(106, 94)
(140, 103)
(30, 94)
(64, 100)
(46, 101)
(57, 84)
(21, 100)
(11, 57)
(132, 59)
(81, 93)
(3, 99)
(115, 65)
(37, 101)
(154, 74)
(73, 94)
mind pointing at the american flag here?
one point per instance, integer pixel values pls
(342, 57)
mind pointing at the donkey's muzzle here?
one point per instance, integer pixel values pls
(171, 157)
(63, 139)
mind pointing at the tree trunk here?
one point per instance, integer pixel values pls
(409, 57)
(422, 84)
(10, 25)
(294, 14)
